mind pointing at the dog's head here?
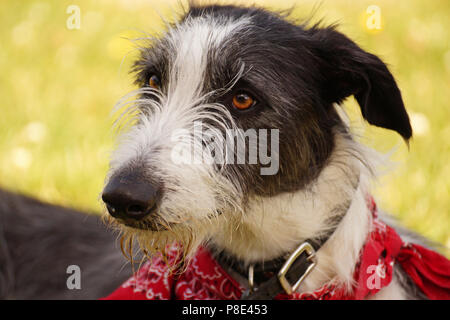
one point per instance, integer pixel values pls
(224, 74)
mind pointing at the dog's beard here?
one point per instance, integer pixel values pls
(186, 238)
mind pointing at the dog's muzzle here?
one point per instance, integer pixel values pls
(130, 197)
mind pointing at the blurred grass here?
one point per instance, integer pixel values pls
(58, 87)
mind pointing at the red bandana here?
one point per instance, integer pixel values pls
(205, 279)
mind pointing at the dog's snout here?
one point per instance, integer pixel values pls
(130, 197)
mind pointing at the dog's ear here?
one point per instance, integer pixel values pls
(345, 69)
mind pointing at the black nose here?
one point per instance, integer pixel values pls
(130, 197)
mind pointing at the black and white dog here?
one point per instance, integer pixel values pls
(271, 85)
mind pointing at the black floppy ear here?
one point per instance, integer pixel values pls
(346, 69)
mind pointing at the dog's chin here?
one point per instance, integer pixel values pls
(154, 236)
(155, 225)
(147, 225)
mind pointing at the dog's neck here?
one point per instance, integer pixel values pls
(273, 226)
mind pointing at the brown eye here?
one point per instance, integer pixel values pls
(154, 82)
(243, 101)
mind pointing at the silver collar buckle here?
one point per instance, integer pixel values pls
(307, 248)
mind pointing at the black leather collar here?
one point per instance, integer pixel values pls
(267, 284)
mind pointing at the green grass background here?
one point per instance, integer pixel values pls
(58, 87)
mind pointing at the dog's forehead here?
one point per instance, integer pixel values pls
(213, 46)
(198, 43)
(204, 32)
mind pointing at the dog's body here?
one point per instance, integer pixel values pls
(38, 243)
(205, 68)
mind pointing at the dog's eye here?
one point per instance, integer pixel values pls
(243, 101)
(154, 82)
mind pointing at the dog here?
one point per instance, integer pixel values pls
(39, 242)
(185, 195)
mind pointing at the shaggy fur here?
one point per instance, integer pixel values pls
(298, 75)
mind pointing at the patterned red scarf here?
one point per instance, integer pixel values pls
(205, 279)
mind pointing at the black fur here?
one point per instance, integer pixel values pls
(348, 70)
